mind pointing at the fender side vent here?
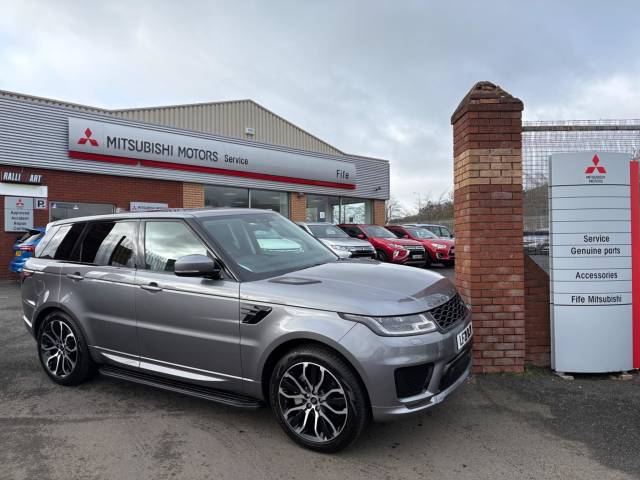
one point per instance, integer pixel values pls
(252, 314)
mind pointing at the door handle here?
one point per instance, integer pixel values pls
(151, 287)
(75, 276)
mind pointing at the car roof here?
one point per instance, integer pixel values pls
(165, 213)
(317, 224)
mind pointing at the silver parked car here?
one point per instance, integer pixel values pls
(338, 241)
(197, 302)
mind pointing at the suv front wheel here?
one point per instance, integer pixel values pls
(318, 399)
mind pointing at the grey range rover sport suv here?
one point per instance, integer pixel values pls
(218, 304)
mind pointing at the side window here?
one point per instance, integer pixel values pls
(398, 232)
(165, 242)
(109, 243)
(60, 247)
(48, 236)
(353, 231)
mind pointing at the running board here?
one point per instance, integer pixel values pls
(197, 391)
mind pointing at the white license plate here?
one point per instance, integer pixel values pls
(464, 336)
(418, 257)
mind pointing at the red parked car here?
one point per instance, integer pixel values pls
(439, 250)
(388, 247)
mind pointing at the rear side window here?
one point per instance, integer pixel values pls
(109, 243)
(165, 242)
(396, 231)
(352, 231)
(60, 247)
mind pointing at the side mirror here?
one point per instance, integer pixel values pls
(197, 266)
(361, 236)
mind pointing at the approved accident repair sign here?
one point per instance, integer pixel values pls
(594, 228)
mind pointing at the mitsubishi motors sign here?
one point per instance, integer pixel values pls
(594, 209)
(109, 142)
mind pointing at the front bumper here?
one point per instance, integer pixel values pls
(377, 358)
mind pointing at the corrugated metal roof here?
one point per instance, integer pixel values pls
(230, 119)
(227, 118)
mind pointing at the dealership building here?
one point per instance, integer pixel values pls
(60, 160)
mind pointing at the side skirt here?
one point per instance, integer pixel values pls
(197, 391)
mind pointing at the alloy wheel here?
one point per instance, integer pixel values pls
(59, 348)
(313, 402)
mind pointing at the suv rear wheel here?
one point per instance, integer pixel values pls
(63, 351)
(318, 399)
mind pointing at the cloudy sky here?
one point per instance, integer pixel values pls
(378, 78)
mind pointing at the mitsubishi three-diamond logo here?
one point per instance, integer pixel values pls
(87, 138)
(596, 167)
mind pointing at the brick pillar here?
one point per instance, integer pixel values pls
(192, 195)
(487, 150)
(297, 207)
(379, 212)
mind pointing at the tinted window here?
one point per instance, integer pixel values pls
(352, 231)
(165, 242)
(109, 243)
(61, 245)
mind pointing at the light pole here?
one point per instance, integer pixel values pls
(419, 195)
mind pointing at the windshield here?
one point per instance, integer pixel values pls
(421, 233)
(376, 231)
(327, 231)
(262, 245)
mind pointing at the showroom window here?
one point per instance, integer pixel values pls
(232, 197)
(324, 208)
(271, 200)
(216, 196)
(355, 210)
(64, 210)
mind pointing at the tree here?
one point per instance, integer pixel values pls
(394, 209)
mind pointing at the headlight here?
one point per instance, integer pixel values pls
(439, 246)
(396, 325)
(340, 247)
(395, 245)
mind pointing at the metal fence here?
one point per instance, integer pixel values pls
(542, 139)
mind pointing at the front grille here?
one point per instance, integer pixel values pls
(452, 252)
(455, 369)
(413, 247)
(413, 380)
(362, 252)
(449, 313)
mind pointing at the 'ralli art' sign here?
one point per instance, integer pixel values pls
(594, 210)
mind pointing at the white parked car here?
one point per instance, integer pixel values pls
(338, 241)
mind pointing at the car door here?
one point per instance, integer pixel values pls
(188, 326)
(97, 285)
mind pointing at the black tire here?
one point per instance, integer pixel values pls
(382, 256)
(427, 263)
(72, 367)
(337, 371)
(449, 263)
